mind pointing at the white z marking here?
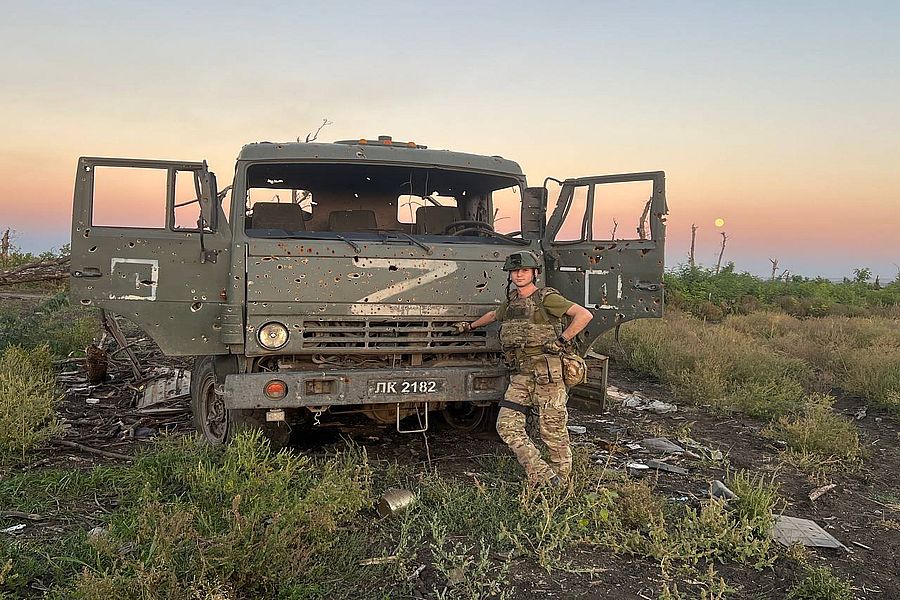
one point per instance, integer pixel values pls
(429, 277)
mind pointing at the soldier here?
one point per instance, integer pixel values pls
(532, 341)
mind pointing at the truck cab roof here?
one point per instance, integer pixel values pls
(381, 151)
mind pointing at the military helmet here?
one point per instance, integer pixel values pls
(522, 260)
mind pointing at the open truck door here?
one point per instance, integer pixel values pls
(150, 242)
(605, 250)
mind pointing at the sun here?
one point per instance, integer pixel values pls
(720, 222)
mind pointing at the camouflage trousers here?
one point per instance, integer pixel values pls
(539, 384)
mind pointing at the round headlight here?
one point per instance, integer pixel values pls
(272, 336)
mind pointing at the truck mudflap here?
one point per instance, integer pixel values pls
(365, 386)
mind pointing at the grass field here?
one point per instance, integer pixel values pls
(188, 521)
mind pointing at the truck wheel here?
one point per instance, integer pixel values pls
(210, 415)
(464, 416)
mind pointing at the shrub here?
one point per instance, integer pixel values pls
(54, 322)
(819, 430)
(821, 584)
(28, 400)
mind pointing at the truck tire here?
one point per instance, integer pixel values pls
(211, 418)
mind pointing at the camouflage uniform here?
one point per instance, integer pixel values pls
(536, 382)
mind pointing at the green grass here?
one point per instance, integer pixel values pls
(64, 328)
(194, 521)
(821, 584)
(818, 430)
(28, 399)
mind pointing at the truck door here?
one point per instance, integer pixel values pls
(150, 242)
(604, 247)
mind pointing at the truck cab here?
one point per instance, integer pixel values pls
(328, 281)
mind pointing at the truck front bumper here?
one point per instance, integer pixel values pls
(368, 386)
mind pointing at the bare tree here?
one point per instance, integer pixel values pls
(612, 234)
(693, 240)
(721, 253)
(774, 262)
(311, 136)
(4, 247)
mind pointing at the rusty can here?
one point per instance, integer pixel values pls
(395, 501)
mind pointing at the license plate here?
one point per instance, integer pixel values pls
(406, 387)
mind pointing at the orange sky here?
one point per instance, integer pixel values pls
(782, 120)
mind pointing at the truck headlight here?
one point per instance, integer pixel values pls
(272, 336)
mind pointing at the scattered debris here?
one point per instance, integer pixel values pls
(636, 468)
(664, 466)
(92, 400)
(861, 413)
(699, 451)
(661, 445)
(97, 532)
(861, 545)
(819, 491)
(577, 429)
(613, 392)
(395, 501)
(171, 385)
(657, 406)
(13, 529)
(793, 530)
(717, 489)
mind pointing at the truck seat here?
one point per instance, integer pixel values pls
(434, 219)
(278, 215)
(352, 220)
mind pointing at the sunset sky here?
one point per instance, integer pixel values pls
(782, 119)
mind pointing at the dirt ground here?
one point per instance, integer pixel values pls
(862, 510)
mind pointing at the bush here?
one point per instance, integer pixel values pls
(819, 430)
(821, 584)
(28, 400)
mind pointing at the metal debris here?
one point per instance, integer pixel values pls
(793, 530)
(170, 386)
(660, 465)
(640, 403)
(13, 529)
(577, 429)
(661, 445)
(395, 501)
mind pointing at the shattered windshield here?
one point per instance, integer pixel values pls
(372, 202)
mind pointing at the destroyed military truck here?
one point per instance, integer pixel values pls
(328, 280)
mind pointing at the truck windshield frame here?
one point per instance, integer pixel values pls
(373, 202)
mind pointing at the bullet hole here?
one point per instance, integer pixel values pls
(280, 267)
(196, 306)
(171, 317)
(298, 280)
(131, 244)
(146, 282)
(86, 302)
(353, 275)
(356, 259)
(87, 233)
(92, 249)
(87, 169)
(480, 286)
(392, 267)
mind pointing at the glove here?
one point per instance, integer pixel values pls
(556, 346)
(461, 327)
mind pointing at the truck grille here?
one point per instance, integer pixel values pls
(386, 336)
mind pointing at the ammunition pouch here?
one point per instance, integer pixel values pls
(574, 369)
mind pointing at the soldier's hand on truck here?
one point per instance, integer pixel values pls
(461, 327)
(555, 346)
